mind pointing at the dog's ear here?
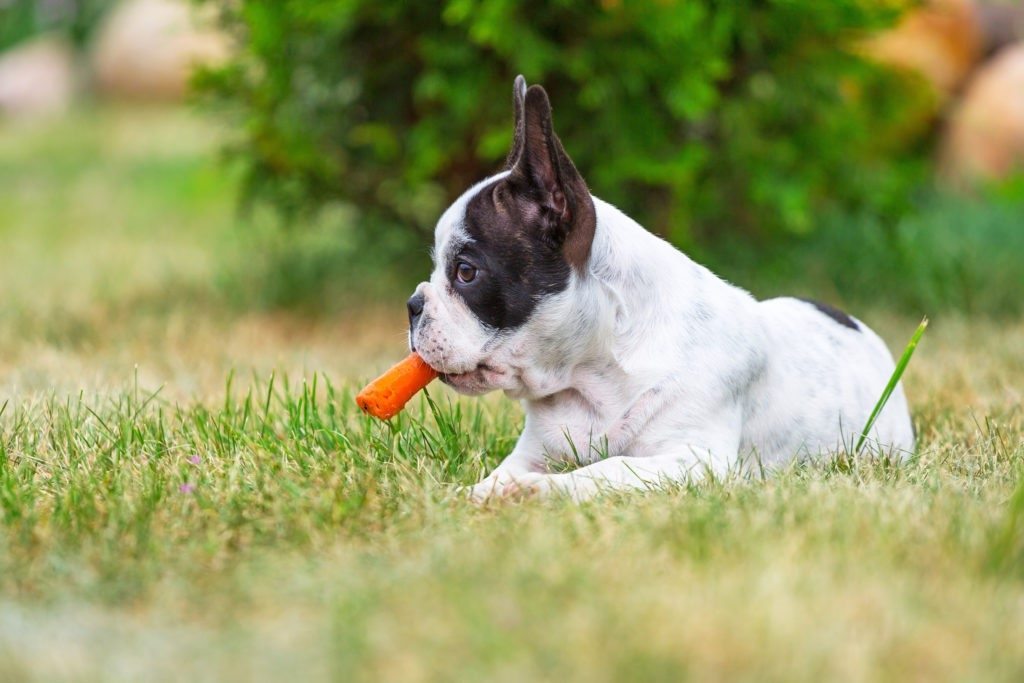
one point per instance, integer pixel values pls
(518, 98)
(544, 176)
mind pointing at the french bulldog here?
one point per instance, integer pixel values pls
(635, 365)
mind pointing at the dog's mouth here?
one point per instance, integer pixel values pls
(480, 380)
(477, 372)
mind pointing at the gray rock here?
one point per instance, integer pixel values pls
(147, 49)
(1002, 23)
(37, 78)
(985, 136)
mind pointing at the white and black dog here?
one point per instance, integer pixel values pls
(632, 361)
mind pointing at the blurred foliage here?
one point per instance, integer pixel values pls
(22, 19)
(325, 268)
(957, 254)
(699, 118)
(948, 253)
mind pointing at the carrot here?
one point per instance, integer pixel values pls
(385, 396)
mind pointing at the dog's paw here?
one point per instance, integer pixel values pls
(507, 487)
(526, 485)
(488, 489)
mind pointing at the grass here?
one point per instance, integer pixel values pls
(890, 386)
(279, 531)
(187, 492)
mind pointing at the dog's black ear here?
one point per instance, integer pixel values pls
(518, 98)
(544, 175)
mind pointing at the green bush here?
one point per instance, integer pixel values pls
(962, 254)
(948, 253)
(700, 117)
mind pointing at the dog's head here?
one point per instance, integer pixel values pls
(506, 254)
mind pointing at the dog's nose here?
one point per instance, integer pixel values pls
(415, 307)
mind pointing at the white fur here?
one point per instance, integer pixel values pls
(650, 369)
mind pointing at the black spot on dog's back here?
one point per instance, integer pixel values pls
(834, 313)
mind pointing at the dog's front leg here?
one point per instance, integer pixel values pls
(523, 464)
(704, 442)
(697, 441)
(624, 473)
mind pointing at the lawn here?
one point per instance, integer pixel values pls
(186, 492)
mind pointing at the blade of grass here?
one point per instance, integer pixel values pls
(897, 373)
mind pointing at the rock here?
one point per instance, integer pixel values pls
(941, 40)
(985, 136)
(36, 78)
(1002, 23)
(146, 49)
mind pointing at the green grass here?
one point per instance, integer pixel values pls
(187, 491)
(298, 536)
(890, 386)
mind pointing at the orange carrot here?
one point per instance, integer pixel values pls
(385, 396)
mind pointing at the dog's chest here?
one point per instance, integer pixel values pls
(578, 428)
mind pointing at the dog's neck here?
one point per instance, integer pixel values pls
(595, 325)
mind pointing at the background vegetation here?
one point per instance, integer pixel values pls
(21, 19)
(699, 118)
(753, 134)
(945, 253)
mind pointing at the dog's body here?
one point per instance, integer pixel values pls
(631, 360)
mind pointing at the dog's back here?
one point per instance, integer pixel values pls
(823, 375)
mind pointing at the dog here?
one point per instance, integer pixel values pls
(633, 363)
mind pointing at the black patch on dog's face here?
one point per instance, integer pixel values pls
(834, 313)
(529, 230)
(516, 266)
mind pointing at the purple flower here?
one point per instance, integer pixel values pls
(195, 460)
(187, 487)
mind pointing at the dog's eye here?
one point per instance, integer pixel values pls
(465, 272)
